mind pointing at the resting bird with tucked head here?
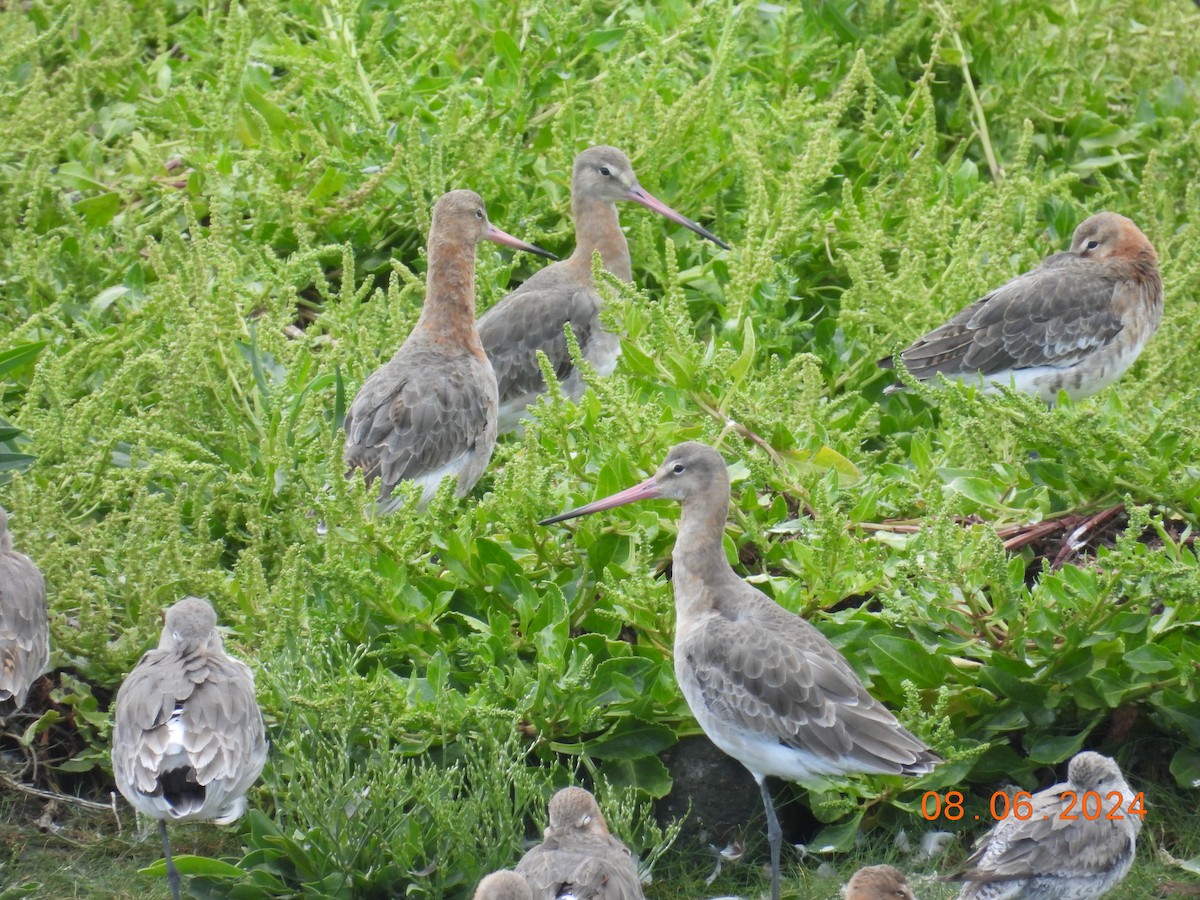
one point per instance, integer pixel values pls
(1047, 856)
(24, 626)
(879, 883)
(1075, 323)
(503, 885)
(579, 859)
(188, 738)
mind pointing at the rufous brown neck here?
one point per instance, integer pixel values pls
(448, 315)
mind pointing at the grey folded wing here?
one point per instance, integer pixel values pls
(785, 682)
(1056, 315)
(24, 626)
(418, 413)
(531, 319)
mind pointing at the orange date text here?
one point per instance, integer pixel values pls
(1090, 806)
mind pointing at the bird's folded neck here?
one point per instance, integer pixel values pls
(597, 228)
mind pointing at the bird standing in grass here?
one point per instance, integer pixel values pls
(1075, 323)
(188, 738)
(1048, 855)
(532, 317)
(579, 859)
(24, 626)
(429, 412)
(765, 686)
(879, 883)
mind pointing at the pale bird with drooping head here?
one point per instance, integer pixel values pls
(1047, 856)
(579, 858)
(1076, 323)
(24, 624)
(504, 885)
(188, 739)
(532, 317)
(429, 412)
(765, 686)
(879, 883)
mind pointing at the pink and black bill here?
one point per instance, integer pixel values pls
(647, 490)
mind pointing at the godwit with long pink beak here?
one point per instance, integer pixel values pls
(765, 686)
(429, 412)
(532, 317)
(1075, 323)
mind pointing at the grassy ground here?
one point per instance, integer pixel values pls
(212, 226)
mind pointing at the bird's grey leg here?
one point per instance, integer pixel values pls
(774, 834)
(172, 872)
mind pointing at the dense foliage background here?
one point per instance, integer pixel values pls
(212, 224)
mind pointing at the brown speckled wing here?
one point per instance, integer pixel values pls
(1053, 316)
(531, 319)
(418, 412)
(24, 629)
(769, 672)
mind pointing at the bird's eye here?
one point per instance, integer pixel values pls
(677, 468)
(479, 213)
(1092, 245)
(605, 171)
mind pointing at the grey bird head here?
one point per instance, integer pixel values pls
(692, 468)
(1090, 771)
(605, 173)
(575, 809)
(191, 624)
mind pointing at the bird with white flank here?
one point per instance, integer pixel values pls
(1075, 323)
(765, 686)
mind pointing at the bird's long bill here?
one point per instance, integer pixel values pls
(647, 490)
(496, 236)
(639, 195)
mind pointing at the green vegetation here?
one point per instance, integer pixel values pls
(212, 224)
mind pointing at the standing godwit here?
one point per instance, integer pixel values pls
(504, 885)
(766, 686)
(188, 738)
(1057, 852)
(430, 411)
(1075, 323)
(24, 628)
(532, 317)
(879, 883)
(579, 858)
